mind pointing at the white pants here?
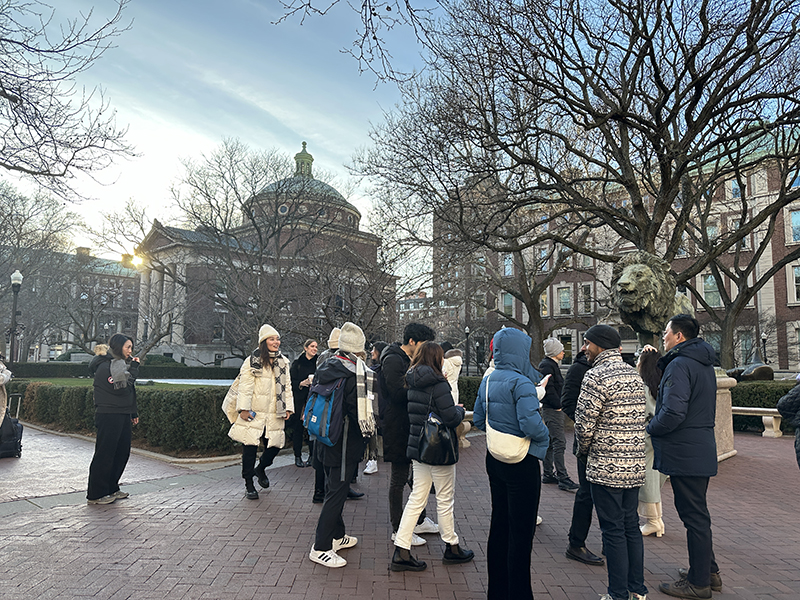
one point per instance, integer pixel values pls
(444, 478)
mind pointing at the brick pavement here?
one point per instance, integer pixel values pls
(192, 535)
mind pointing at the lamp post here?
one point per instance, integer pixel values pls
(764, 347)
(16, 284)
(466, 346)
(146, 322)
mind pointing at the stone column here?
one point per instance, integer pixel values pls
(723, 428)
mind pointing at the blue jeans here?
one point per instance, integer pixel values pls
(622, 539)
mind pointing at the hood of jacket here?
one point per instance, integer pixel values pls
(512, 351)
(696, 348)
(97, 361)
(332, 369)
(422, 376)
(395, 348)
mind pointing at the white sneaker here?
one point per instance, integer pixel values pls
(427, 526)
(371, 468)
(635, 596)
(104, 500)
(539, 520)
(120, 495)
(346, 541)
(415, 539)
(329, 558)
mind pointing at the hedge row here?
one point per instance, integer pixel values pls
(761, 394)
(178, 371)
(174, 420)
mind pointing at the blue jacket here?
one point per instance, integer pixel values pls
(514, 403)
(682, 430)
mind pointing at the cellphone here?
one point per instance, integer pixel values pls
(252, 415)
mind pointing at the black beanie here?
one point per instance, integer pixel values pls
(604, 336)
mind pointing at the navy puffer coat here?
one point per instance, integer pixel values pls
(682, 429)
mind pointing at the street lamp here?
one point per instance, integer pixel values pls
(466, 346)
(16, 284)
(764, 347)
(105, 328)
(146, 323)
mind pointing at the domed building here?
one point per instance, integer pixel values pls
(296, 258)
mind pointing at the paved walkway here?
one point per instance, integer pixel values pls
(187, 532)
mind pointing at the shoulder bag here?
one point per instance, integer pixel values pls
(505, 447)
(438, 444)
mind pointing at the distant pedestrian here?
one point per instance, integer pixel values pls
(372, 447)
(302, 372)
(5, 377)
(116, 412)
(513, 409)
(609, 425)
(264, 404)
(555, 469)
(789, 407)
(583, 505)
(685, 448)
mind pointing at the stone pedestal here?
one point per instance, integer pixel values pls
(723, 428)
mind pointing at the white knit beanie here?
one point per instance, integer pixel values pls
(351, 338)
(333, 340)
(267, 331)
(552, 347)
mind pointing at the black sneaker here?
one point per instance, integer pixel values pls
(568, 485)
(716, 580)
(549, 478)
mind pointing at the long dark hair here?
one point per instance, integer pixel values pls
(116, 343)
(649, 371)
(430, 354)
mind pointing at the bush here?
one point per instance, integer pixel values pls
(761, 394)
(468, 391)
(54, 369)
(160, 359)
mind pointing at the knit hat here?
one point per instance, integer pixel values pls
(351, 338)
(604, 336)
(552, 347)
(267, 331)
(333, 340)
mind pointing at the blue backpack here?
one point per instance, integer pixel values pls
(323, 416)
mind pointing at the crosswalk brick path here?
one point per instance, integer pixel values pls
(197, 537)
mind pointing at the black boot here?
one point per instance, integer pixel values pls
(403, 561)
(455, 555)
(263, 480)
(251, 493)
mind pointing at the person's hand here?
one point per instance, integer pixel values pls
(288, 414)
(245, 414)
(305, 383)
(135, 359)
(649, 348)
(135, 420)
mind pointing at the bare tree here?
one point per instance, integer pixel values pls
(49, 128)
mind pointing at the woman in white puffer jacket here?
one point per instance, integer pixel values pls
(264, 403)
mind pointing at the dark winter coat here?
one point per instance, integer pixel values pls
(682, 430)
(301, 368)
(428, 392)
(572, 384)
(354, 443)
(552, 392)
(789, 407)
(108, 400)
(394, 421)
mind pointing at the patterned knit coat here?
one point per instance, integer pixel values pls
(610, 422)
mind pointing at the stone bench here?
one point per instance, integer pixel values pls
(463, 429)
(769, 416)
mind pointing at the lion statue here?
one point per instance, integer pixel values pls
(644, 292)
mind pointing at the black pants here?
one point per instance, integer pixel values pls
(112, 448)
(690, 502)
(515, 502)
(249, 459)
(295, 422)
(401, 475)
(581, 510)
(331, 524)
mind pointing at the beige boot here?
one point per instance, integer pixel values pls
(652, 512)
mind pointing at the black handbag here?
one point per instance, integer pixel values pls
(438, 444)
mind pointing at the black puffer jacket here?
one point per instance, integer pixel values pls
(789, 407)
(354, 444)
(572, 384)
(394, 419)
(428, 392)
(552, 394)
(301, 368)
(108, 400)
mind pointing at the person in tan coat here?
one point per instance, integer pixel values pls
(264, 403)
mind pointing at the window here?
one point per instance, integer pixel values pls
(588, 262)
(795, 179)
(796, 272)
(564, 301)
(543, 256)
(712, 230)
(283, 209)
(746, 344)
(544, 220)
(508, 265)
(736, 190)
(744, 243)
(586, 298)
(795, 217)
(711, 291)
(543, 305)
(508, 305)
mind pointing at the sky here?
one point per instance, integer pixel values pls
(190, 73)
